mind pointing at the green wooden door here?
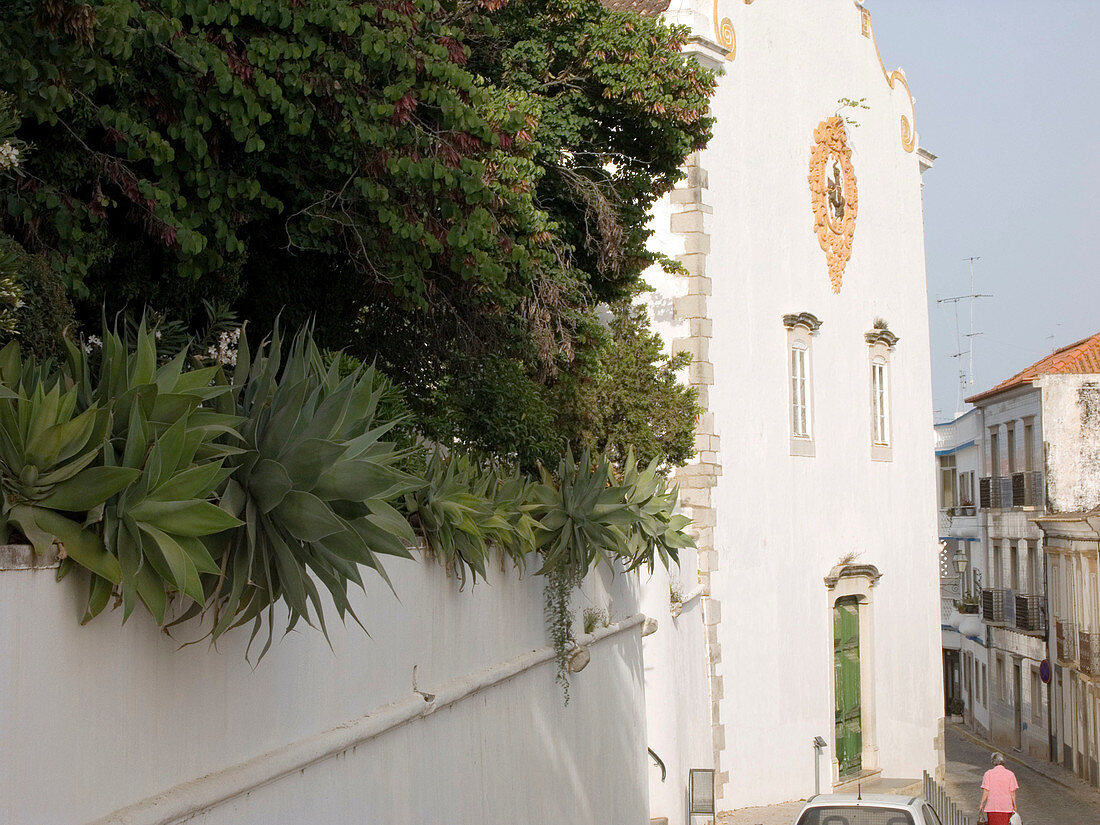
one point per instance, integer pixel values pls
(849, 736)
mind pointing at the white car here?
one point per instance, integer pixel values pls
(868, 809)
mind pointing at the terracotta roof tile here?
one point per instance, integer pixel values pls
(1082, 357)
(646, 8)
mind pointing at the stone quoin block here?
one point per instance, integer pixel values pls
(698, 347)
(703, 327)
(688, 194)
(688, 221)
(697, 242)
(695, 262)
(701, 372)
(694, 496)
(689, 306)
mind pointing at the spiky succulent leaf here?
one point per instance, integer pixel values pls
(313, 485)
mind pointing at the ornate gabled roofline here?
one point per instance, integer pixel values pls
(802, 319)
(881, 336)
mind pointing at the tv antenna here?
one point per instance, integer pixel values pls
(966, 376)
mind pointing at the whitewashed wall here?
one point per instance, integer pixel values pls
(677, 702)
(1071, 435)
(98, 718)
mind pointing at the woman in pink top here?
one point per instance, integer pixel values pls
(998, 792)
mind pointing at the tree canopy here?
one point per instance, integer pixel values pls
(450, 189)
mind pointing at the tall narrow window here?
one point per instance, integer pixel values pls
(881, 342)
(966, 489)
(1010, 446)
(800, 331)
(880, 402)
(948, 486)
(994, 452)
(1029, 446)
(800, 408)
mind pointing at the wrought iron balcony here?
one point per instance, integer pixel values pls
(1090, 652)
(993, 606)
(1066, 635)
(1030, 613)
(1017, 490)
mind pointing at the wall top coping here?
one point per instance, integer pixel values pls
(23, 557)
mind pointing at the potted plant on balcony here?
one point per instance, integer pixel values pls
(967, 604)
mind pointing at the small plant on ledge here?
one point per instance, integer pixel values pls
(967, 604)
(595, 617)
(675, 597)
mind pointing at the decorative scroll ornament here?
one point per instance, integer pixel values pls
(723, 31)
(908, 137)
(833, 195)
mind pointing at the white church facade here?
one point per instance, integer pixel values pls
(813, 608)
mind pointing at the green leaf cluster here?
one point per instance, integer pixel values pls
(314, 483)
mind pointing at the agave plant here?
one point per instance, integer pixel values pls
(162, 434)
(583, 516)
(656, 530)
(466, 507)
(50, 465)
(313, 485)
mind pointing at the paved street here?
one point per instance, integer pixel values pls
(784, 814)
(1041, 799)
(1048, 795)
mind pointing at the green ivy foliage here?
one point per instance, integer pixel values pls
(43, 313)
(449, 189)
(193, 131)
(634, 401)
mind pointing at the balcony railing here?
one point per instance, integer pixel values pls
(993, 606)
(1066, 635)
(1090, 652)
(1016, 490)
(1030, 613)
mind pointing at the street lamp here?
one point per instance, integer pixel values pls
(960, 561)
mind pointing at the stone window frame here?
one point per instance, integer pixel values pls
(801, 328)
(880, 346)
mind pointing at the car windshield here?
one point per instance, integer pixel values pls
(855, 815)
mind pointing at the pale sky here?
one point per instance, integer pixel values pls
(1008, 96)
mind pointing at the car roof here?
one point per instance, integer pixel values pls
(871, 800)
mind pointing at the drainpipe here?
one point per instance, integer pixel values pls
(1050, 685)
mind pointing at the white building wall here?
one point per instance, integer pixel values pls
(1071, 433)
(98, 718)
(964, 632)
(781, 522)
(678, 705)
